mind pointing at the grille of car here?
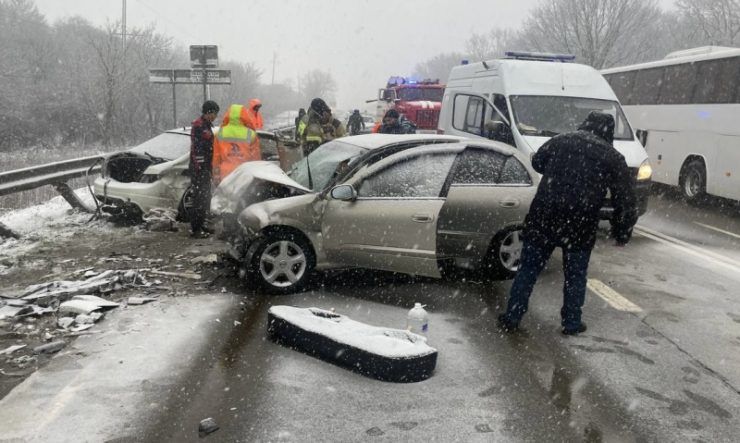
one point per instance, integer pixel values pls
(427, 118)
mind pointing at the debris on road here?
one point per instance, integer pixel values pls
(140, 300)
(47, 294)
(188, 275)
(207, 426)
(160, 220)
(7, 232)
(9, 350)
(206, 259)
(50, 348)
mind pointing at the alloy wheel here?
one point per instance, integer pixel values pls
(510, 251)
(282, 263)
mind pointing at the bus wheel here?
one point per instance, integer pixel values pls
(694, 181)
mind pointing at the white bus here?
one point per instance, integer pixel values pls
(687, 109)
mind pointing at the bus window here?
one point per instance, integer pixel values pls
(622, 83)
(679, 83)
(647, 86)
(716, 81)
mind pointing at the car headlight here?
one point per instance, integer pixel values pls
(645, 172)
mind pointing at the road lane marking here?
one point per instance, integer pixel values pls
(690, 249)
(732, 234)
(612, 297)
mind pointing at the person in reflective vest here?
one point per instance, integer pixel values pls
(254, 116)
(235, 143)
(310, 129)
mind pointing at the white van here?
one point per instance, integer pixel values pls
(526, 98)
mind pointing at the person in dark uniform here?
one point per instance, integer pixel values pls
(201, 162)
(577, 170)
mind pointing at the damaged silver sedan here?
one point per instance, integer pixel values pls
(412, 204)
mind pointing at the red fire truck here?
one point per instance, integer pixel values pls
(419, 100)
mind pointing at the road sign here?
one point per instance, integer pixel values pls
(190, 76)
(203, 56)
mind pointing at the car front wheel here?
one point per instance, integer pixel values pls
(280, 262)
(505, 254)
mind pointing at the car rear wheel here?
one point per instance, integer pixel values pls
(694, 181)
(505, 254)
(184, 210)
(280, 262)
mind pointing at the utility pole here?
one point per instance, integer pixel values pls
(123, 24)
(274, 56)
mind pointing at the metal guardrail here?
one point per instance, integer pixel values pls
(56, 174)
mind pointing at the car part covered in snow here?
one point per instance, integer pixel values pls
(382, 353)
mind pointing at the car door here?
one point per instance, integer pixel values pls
(489, 192)
(392, 225)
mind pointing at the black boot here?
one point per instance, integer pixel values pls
(576, 331)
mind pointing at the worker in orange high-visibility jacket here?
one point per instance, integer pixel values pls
(254, 116)
(234, 144)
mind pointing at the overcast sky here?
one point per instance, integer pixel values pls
(361, 42)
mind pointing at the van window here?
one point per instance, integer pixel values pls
(468, 114)
(548, 116)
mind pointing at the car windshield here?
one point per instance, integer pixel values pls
(169, 145)
(548, 116)
(416, 94)
(316, 170)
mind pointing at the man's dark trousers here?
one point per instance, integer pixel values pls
(201, 183)
(575, 268)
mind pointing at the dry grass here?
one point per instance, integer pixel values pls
(23, 158)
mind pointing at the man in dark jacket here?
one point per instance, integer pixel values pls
(395, 123)
(355, 123)
(577, 170)
(201, 162)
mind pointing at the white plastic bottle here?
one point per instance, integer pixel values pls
(417, 321)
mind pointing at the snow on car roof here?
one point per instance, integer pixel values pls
(374, 141)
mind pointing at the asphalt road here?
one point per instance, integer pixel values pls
(660, 361)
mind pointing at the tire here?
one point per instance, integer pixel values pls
(504, 256)
(280, 262)
(186, 206)
(694, 181)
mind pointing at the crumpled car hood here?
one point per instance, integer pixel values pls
(251, 183)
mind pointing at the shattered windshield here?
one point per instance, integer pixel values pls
(169, 145)
(316, 170)
(548, 116)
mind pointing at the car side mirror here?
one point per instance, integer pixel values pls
(344, 193)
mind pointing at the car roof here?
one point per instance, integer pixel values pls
(374, 141)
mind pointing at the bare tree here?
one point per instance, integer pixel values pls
(600, 32)
(489, 45)
(318, 83)
(715, 22)
(439, 66)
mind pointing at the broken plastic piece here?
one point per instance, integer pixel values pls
(50, 348)
(9, 350)
(207, 426)
(140, 300)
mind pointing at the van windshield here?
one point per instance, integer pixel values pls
(548, 116)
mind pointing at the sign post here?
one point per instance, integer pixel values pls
(202, 60)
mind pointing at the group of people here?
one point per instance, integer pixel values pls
(577, 168)
(318, 125)
(214, 156)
